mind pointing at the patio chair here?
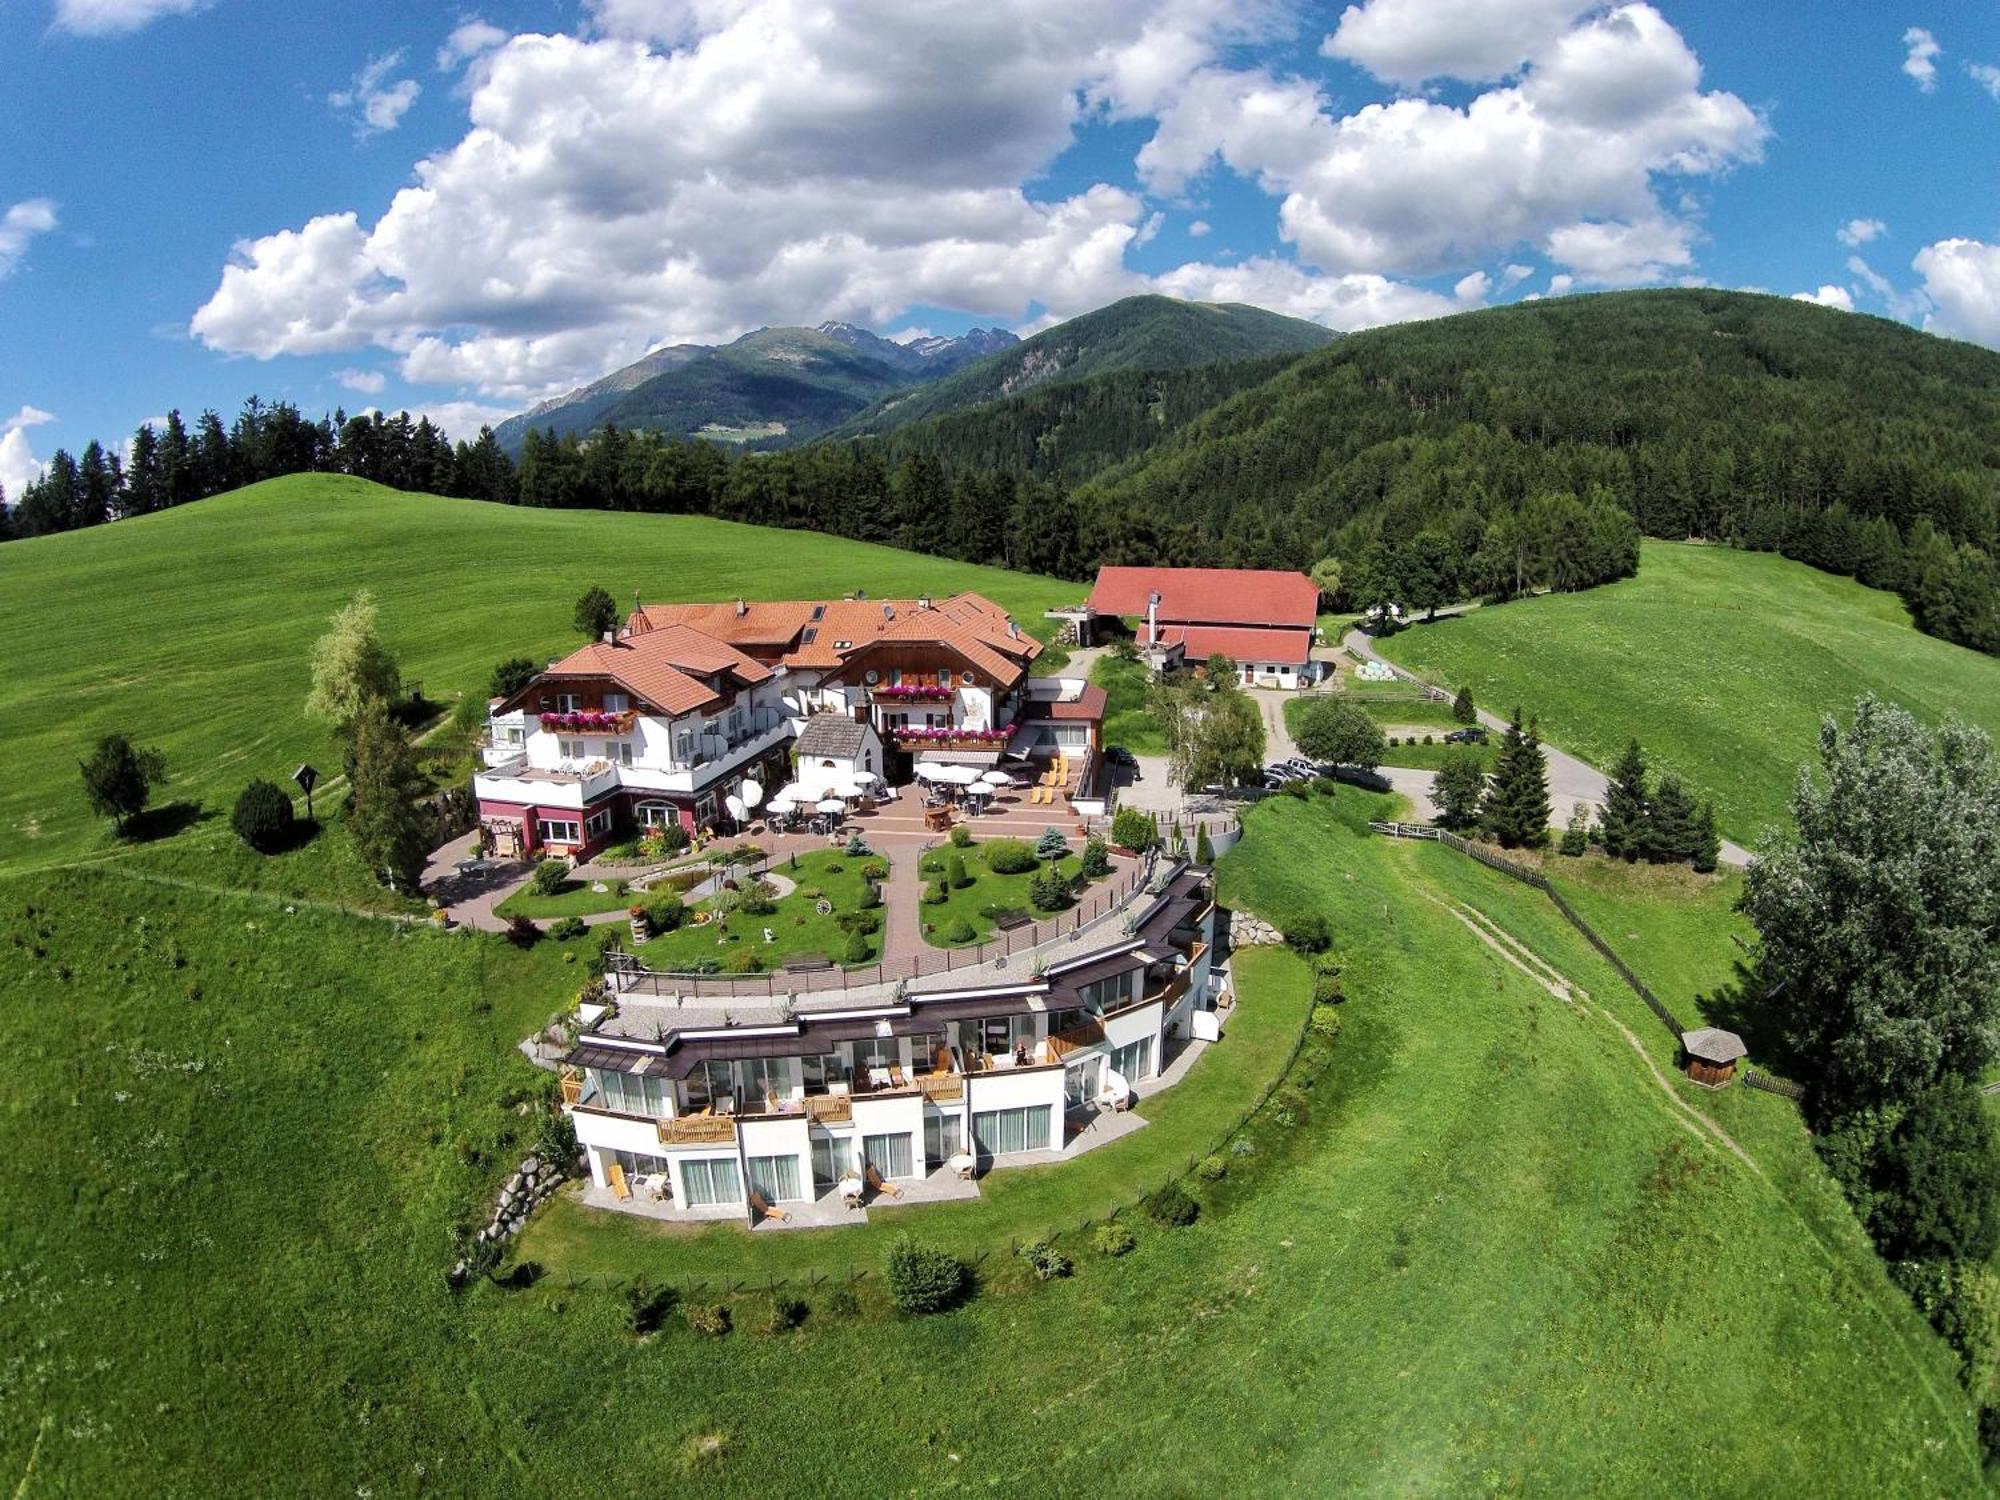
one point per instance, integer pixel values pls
(620, 1188)
(766, 1210)
(877, 1185)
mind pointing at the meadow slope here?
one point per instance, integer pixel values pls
(190, 629)
(1721, 662)
(1484, 1251)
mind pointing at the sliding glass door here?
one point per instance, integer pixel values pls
(833, 1159)
(711, 1179)
(998, 1132)
(944, 1138)
(776, 1177)
(889, 1154)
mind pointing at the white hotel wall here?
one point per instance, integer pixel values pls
(777, 1137)
(899, 1114)
(1120, 1031)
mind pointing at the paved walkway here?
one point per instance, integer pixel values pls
(1570, 780)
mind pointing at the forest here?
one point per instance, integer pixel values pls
(1489, 453)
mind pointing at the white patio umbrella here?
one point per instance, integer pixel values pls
(792, 791)
(958, 775)
(995, 778)
(780, 805)
(832, 805)
(927, 770)
(864, 778)
(753, 793)
(734, 807)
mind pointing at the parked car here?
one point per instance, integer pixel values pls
(1355, 776)
(1476, 735)
(1303, 766)
(1118, 755)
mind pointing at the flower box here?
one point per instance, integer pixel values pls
(912, 692)
(603, 723)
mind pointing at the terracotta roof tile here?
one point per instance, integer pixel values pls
(1209, 596)
(1239, 644)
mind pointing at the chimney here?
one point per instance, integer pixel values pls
(923, 601)
(888, 611)
(742, 609)
(610, 637)
(1153, 618)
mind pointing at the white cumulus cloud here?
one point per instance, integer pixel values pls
(365, 382)
(1198, 229)
(116, 17)
(1962, 284)
(19, 467)
(469, 39)
(375, 101)
(1920, 54)
(1860, 231)
(1411, 41)
(1828, 296)
(1986, 76)
(19, 226)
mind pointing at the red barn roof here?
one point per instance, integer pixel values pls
(1240, 643)
(1209, 596)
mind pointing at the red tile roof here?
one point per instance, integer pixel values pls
(976, 627)
(1239, 643)
(1209, 596)
(666, 668)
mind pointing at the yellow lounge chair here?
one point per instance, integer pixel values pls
(765, 1210)
(620, 1188)
(875, 1183)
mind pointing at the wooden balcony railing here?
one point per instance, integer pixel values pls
(697, 1130)
(1070, 1039)
(829, 1108)
(940, 1087)
(572, 1088)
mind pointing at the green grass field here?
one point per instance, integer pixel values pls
(574, 898)
(1721, 662)
(1127, 720)
(1482, 1251)
(190, 629)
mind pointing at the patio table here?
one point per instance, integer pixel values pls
(963, 1164)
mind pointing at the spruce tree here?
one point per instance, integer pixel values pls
(1708, 842)
(1627, 813)
(1517, 805)
(1463, 710)
(1676, 837)
(382, 812)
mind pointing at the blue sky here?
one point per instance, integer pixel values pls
(200, 200)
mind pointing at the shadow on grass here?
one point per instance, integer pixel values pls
(164, 822)
(1739, 1006)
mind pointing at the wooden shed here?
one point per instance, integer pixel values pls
(1710, 1055)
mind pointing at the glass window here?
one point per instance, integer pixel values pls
(758, 1076)
(616, 703)
(889, 1154)
(833, 1158)
(569, 703)
(711, 1179)
(924, 1049)
(599, 822)
(570, 749)
(999, 1132)
(637, 1165)
(820, 1070)
(654, 814)
(944, 1138)
(1134, 1059)
(558, 831)
(624, 752)
(776, 1177)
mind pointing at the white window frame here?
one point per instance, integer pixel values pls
(657, 814)
(569, 703)
(543, 827)
(598, 822)
(616, 703)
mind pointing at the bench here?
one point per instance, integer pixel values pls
(1014, 917)
(805, 963)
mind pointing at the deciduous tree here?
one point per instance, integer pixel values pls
(350, 665)
(119, 778)
(1337, 730)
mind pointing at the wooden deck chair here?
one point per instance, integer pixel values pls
(876, 1185)
(895, 1075)
(766, 1210)
(941, 1059)
(620, 1188)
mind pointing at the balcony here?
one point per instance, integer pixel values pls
(698, 1130)
(890, 694)
(1074, 1038)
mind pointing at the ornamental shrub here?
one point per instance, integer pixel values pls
(1308, 934)
(743, 960)
(875, 870)
(1204, 851)
(1009, 857)
(1172, 1206)
(647, 1306)
(958, 930)
(665, 911)
(871, 895)
(710, 1320)
(549, 876)
(857, 950)
(263, 817)
(1296, 789)
(523, 933)
(1045, 1260)
(567, 929)
(935, 894)
(786, 1314)
(1325, 1021)
(1112, 1239)
(1132, 828)
(922, 1279)
(954, 872)
(1052, 844)
(1049, 890)
(842, 1303)
(1097, 858)
(1212, 1169)
(961, 837)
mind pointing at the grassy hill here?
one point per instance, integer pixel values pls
(1721, 662)
(190, 629)
(1138, 333)
(1484, 1249)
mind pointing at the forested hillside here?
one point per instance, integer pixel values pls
(1851, 443)
(1138, 333)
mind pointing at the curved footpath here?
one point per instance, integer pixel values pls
(1570, 780)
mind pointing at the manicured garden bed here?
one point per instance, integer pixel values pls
(574, 898)
(991, 893)
(797, 926)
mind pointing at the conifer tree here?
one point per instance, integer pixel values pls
(1708, 842)
(1675, 838)
(382, 811)
(1463, 710)
(1517, 805)
(1627, 815)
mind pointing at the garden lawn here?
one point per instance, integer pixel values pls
(1429, 757)
(232, 592)
(1127, 719)
(1721, 662)
(1481, 1251)
(797, 926)
(574, 898)
(988, 890)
